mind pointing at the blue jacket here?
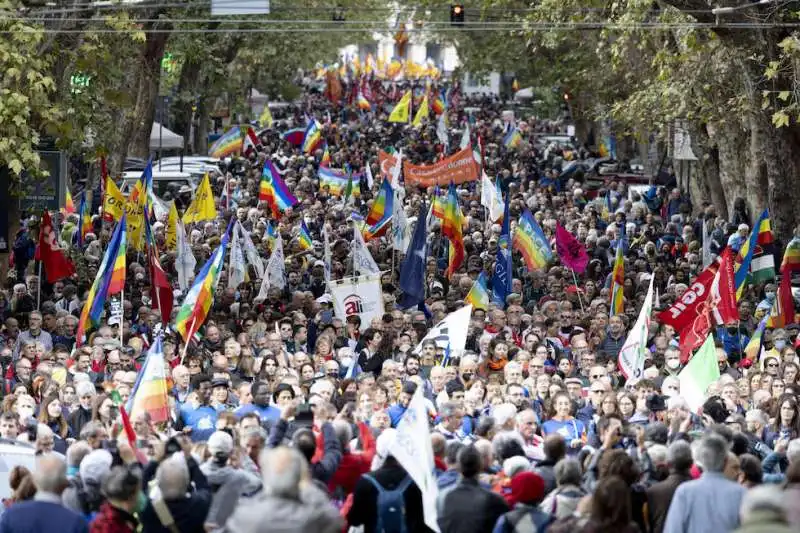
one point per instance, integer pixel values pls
(395, 413)
(41, 516)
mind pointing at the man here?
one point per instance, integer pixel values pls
(450, 416)
(711, 503)
(182, 379)
(9, 426)
(200, 420)
(85, 391)
(659, 496)
(396, 411)
(467, 507)
(615, 337)
(45, 512)
(33, 333)
(389, 476)
(289, 502)
(764, 509)
(555, 449)
(268, 414)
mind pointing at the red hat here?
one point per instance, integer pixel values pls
(574, 289)
(526, 487)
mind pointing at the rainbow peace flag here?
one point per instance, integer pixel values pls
(304, 237)
(439, 103)
(529, 240)
(791, 257)
(313, 137)
(618, 281)
(149, 394)
(326, 157)
(335, 180)
(478, 295)
(294, 136)
(512, 139)
(231, 142)
(744, 258)
(85, 220)
(200, 297)
(69, 205)
(452, 229)
(363, 103)
(112, 269)
(274, 190)
(380, 215)
(437, 204)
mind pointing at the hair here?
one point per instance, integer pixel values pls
(344, 433)
(91, 429)
(197, 379)
(469, 461)
(172, 477)
(794, 425)
(451, 452)
(555, 447)
(555, 397)
(50, 474)
(618, 463)
(20, 481)
(305, 442)
(611, 505)
(568, 472)
(122, 483)
(679, 456)
(751, 468)
(764, 498)
(507, 444)
(77, 451)
(711, 453)
(282, 470)
(96, 403)
(45, 418)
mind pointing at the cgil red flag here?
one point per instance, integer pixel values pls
(723, 291)
(682, 313)
(55, 263)
(160, 288)
(571, 252)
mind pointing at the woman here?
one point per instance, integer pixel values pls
(617, 463)
(20, 481)
(564, 423)
(103, 411)
(380, 397)
(498, 357)
(323, 349)
(307, 372)
(626, 403)
(609, 511)
(50, 414)
(787, 422)
(778, 387)
(790, 372)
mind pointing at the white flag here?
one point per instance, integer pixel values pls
(489, 198)
(370, 179)
(451, 331)
(274, 275)
(401, 229)
(465, 137)
(412, 449)
(253, 257)
(184, 260)
(706, 246)
(236, 264)
(441, 130)
(396, 169)
(634, 351)
(327, 253)
(362, 259)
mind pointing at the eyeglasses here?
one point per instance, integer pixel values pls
(598, 391)
(772, 365)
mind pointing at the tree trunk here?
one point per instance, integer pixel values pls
(146, 94)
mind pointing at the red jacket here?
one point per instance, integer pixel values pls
(354, 464)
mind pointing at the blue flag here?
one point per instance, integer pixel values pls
(501, 281)
(412, 270)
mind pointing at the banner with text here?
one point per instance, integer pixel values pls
(458, 168)
(360, 296)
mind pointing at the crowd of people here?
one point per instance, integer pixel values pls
(532, 427)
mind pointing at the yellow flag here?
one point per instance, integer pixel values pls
(402, 110)
(114, 202)
(202, 206)
(266, 117)
(172, 228)
(422, 113)
(134, 208)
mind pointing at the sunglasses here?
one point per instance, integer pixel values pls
(772, 365)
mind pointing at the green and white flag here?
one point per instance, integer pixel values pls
(700, 372)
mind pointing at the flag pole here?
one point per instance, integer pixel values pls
(39, 286)
(122, 316)
(577, 290)
(186, 345)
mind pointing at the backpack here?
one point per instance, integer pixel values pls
(391, 507)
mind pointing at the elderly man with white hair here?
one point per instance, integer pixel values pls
(45, 512)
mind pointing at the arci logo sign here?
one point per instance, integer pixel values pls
(360, 296)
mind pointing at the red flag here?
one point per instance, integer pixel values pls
(695, 335)
(723, 291)
(571, 252)
(160, 289)
(56, 265)
(683, 312)
(782, 312)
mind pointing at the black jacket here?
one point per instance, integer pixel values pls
(469, 508)
(322, 470)
(189, 512)
(365, 499)
(372, 364)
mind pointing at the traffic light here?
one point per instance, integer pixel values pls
(457, 15)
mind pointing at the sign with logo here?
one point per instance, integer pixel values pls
(360, 296)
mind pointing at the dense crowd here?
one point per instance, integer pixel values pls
(533, 427)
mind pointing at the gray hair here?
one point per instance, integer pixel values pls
(763, 498)
(121, 484)
(344, 433)
(756, 415)
(679, 455)
(711, 453)
(50, 474)
(568, 472)
(793, 451)
(76, 452)
(514, 465)
(658, 454)
(501, 440)
(90, 430)
(172, 477)
(448, 409)
(282, 469)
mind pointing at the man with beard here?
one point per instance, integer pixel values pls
(34, 333)
(212, 341)
(411, 365)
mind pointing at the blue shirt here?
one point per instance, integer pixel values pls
(202, 420)
(269, 413)
(706, 505)
(569, 429)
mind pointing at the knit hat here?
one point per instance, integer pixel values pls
(526, 487)
(220, 442)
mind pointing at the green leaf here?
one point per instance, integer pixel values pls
(780, 119)
(784, 95)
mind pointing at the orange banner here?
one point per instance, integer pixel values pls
(458, 168)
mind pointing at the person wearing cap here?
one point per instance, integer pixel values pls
(527, 492)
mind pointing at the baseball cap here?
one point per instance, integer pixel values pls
(220, 442)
